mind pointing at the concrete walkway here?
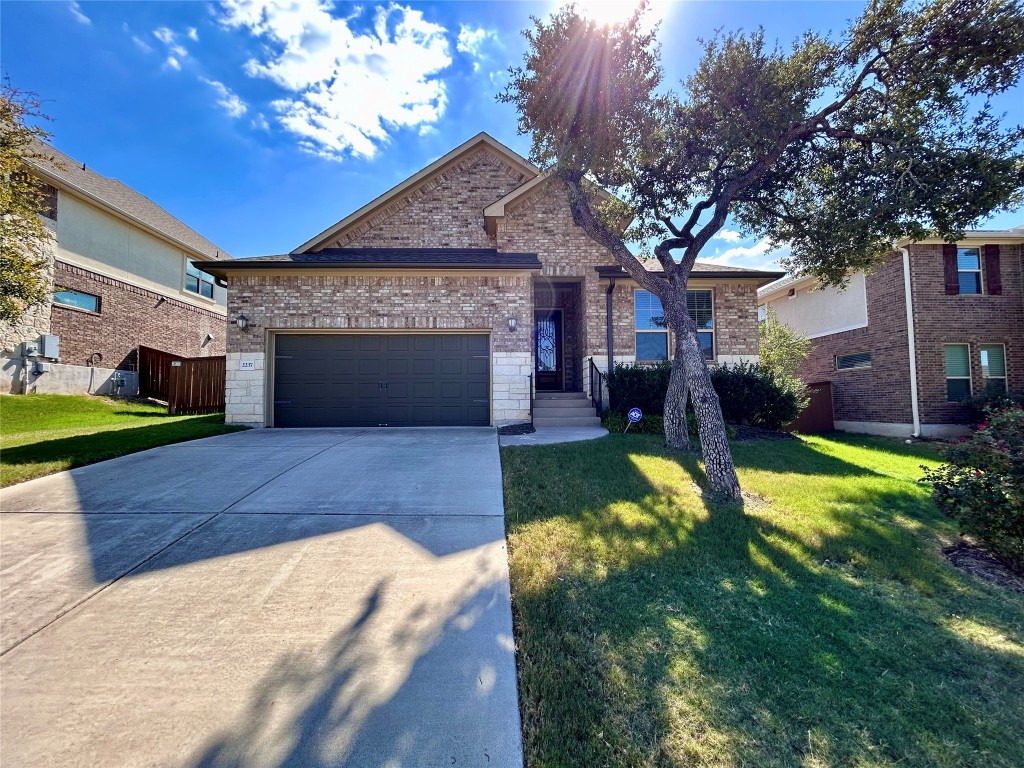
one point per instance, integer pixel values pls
(551, 435)
(271, 598)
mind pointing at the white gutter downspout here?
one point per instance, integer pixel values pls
(911, 348)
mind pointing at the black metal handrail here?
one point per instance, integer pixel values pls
(598, 385)
(531, 399)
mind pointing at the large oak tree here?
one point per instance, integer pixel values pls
(837, 145)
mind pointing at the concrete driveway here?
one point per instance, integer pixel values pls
(268, 598)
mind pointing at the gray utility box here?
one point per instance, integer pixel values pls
(49, 346)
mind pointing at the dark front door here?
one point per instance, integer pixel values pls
(547, 325)
(408, 380)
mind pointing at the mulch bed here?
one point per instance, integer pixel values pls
(517, 429)
(984, 565)
(744, 432)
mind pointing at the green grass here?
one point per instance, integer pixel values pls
(816, 625)
(42, 434)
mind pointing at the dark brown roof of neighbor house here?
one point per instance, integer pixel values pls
(700, 269)
(384, 258)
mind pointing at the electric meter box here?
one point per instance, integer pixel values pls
(49, 346)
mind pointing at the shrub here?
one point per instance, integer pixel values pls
(979, 407)
(633, 385)
(749, 393)
(982, 485)
(653, 425)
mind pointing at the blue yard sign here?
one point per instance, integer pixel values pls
(634, 416)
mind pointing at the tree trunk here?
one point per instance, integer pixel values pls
(677, 432)
(714, 442)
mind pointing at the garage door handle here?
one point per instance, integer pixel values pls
(480, 401)
(482, 357)
(282, 357)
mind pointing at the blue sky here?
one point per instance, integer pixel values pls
(207, 108)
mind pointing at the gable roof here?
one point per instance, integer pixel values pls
(65, 172)
(379, 202)
(382, 258)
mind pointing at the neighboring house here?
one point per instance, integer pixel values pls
(444, 300)
(934, 324)
(123, 275)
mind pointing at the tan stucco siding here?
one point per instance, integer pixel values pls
(97, 240)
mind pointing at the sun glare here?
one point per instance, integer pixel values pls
(608, 12)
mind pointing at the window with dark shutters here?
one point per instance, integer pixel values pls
(993, 281)
(950, 269)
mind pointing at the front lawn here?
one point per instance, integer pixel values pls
(819, 626)
(43, 434)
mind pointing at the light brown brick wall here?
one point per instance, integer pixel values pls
(129, 316)
(446, 211)
(400, 302)
(975, 320)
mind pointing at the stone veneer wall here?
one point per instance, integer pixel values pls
(396, 303)
(34, 322)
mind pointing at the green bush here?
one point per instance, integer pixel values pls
(979, 407)
(749, 393)
(653, 425)
(632, 385)
(982, 485)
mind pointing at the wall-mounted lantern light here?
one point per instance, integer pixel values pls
(242, 322)
(512, 324)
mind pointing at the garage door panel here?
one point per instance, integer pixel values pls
(334, 380)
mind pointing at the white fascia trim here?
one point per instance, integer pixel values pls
(911, 345)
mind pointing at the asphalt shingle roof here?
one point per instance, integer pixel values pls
(451, 258)
(122, 198)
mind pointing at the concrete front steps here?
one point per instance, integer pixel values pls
(564, 409)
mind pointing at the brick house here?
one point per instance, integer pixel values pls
(902, 346)
(123, 275)
(447, 300)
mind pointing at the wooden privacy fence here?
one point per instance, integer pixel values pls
(817, 416)
(188, 384)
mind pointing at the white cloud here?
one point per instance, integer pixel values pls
(76, 11)
(142, 44)
(754, 256)
(164, 35)
(348, 89)
(173, 63)
(729, 235)
(260, 122)
(192, 34)
(473, 41)
(228, 100)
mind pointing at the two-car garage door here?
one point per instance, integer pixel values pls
(356, 380)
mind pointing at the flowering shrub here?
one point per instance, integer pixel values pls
(982, 485)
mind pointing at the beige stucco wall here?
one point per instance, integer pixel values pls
(817, 311)
(97, 240)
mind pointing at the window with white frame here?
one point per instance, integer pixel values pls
(652, 329)
(650, 326)
(993, 368)
(77, 299)
(958, 371)
(197, 281)
(968, 269)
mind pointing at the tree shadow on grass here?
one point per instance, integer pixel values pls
(80, 450)
(666, 630)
